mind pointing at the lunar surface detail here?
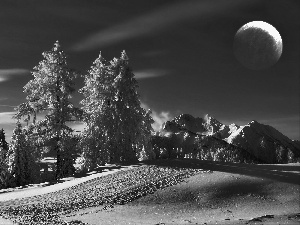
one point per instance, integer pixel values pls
(257, 45)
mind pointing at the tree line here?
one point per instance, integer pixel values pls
(117, 128)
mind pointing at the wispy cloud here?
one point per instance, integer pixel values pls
(143, 74)
(153, 22)
(11, 106)
(158, 117)
(6, 74)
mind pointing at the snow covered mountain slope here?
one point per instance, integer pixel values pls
(262, 141)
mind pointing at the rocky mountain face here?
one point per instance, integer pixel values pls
(263, 142)
(296, 143)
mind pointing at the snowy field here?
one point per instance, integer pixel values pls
(165, 192)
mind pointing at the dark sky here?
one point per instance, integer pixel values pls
(180, 51)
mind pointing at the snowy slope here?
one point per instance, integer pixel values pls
(264, 142)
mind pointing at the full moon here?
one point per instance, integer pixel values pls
(257, 45)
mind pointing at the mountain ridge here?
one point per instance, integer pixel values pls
(262, 141)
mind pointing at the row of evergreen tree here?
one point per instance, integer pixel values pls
(117, 129)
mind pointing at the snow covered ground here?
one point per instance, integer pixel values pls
(233, 194)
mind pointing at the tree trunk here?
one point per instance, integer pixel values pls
(58, 163)
(58, 153)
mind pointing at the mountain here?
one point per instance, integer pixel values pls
(181, 144)
(261, 141)
(206, 126)
(296, 143)
(264, 142)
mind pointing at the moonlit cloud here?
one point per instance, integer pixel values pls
(12, 106)
(6, 74)
(143, 74)
(159, 117)
(153, 22)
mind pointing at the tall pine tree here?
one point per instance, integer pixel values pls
(118, 128)
(3, 143)
(50, 91)
(98, 94)
(132, 122)
(22, 165)
(3, 160)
